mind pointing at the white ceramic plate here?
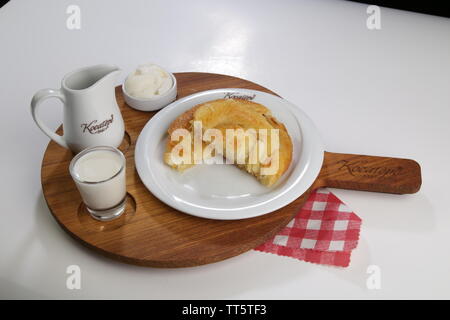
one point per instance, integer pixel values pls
(221, 191)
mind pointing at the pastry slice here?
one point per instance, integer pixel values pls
(254, 146)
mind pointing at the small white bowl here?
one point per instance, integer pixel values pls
(155, 103)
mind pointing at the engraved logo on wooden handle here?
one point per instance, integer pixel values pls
(360, 168)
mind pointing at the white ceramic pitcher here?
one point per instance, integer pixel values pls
(91, 114)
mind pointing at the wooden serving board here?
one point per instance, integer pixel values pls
(153, 234)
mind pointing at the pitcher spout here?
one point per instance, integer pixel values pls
(90, 77)
(110, 74)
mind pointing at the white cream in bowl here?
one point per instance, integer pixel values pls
(148, 81)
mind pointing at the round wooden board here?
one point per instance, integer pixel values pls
(151, 233)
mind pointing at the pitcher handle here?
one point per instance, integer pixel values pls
(39, 97)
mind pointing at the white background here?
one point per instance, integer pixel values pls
(379, 92)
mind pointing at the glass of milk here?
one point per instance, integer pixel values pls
(99, 174)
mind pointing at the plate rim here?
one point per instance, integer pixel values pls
(317, 155)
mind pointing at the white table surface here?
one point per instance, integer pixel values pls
(379, 92)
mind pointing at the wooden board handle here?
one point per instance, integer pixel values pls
(370, 173)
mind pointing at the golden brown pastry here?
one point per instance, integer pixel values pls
(266, 161)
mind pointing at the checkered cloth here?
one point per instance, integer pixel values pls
(325, 231)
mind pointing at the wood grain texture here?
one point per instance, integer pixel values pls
(370, 173)
(153, 234)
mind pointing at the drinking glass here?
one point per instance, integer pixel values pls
(99, 174)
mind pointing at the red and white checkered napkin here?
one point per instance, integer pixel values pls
(325, 231)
